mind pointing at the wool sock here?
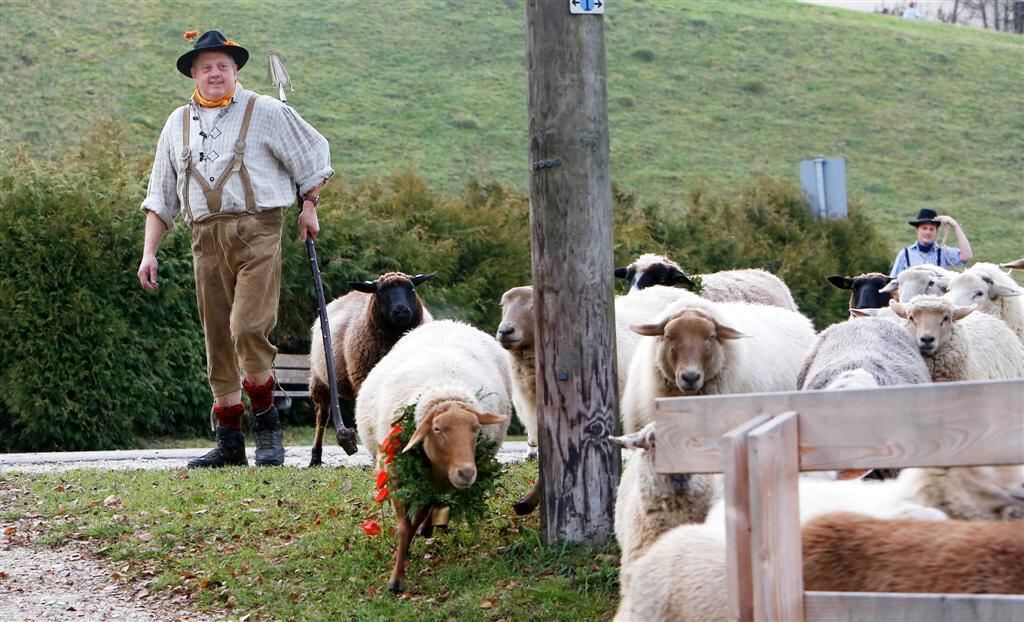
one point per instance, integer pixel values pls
(229, 417)
(261, 397)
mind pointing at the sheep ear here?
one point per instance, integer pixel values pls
(367, 287)
(677, 278)
(648, 330)
(898, 308)
(842, 282)
(489, 418)
(890, 287)
(620, 273)
(960, 313)
(644, 439)
(1003, 290)
(864, 312)
(726, 332)
(420, 278)
(421, 431)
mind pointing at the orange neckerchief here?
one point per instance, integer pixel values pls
(214, 103)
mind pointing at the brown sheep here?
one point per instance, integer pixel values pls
(845, 552)
(364, 324)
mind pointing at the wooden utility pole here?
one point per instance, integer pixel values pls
(571, 225)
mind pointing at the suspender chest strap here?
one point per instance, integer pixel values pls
(938, 255)
(237, 165)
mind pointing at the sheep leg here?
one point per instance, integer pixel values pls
(529, 502)
(406, 531)
(320, 395)
(427, 529)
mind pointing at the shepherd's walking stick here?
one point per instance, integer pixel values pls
(345, 428)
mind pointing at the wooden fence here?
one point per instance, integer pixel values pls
(761, 442)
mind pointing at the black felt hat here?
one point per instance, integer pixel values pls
(212, 41)
(925, 216)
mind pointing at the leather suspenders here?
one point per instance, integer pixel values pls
(236, 165)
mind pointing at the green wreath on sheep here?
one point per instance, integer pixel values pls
(407, 477)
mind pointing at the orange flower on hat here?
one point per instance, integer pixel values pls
(230, 42)
(190, 35)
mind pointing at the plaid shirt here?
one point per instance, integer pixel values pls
(282, 151)
(949, 257)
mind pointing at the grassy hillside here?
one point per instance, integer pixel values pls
(926, 114)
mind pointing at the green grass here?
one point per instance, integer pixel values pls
(286, 544)
(927, 115)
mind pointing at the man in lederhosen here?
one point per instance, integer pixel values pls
(230, 161)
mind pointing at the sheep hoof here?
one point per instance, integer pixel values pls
(316, 457)
(522, 508)
(396, 587)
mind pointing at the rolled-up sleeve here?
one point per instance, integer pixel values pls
(162, 192)
(302, 150)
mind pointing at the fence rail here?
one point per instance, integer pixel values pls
(761, 442)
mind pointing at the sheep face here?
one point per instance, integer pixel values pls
(996, 491)
(515, 332)
(649, 270)
(394, 298)
(448, 432)
(916, 281)
(978, 289)
(930, 320)
(868, 291)
(689, 350)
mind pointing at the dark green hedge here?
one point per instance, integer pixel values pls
(92, 361)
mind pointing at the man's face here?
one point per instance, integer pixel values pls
(214, 73)
(926, 233)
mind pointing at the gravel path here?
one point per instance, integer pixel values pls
(70, 583)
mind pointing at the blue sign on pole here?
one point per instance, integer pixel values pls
(586, 7)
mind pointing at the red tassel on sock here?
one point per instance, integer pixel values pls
(229, 417)
(261, 397)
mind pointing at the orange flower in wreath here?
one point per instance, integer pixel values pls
(382, 495)
(371, 528)
(382, 479)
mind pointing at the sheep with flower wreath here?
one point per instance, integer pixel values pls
(433, 413)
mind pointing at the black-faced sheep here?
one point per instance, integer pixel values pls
(960, 345)
(700, 347)
(865, 289)
(993, 291)
(458, 380)
(364, 324)
(749, 285)
(846, 552)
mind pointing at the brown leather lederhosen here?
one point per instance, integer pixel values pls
(237, 165)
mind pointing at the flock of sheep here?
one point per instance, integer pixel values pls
(743, 333)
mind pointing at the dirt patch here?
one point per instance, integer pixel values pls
(70, 583)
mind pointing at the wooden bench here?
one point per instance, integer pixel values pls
(292, 372)
(763, 441)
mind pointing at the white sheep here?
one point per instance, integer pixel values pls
(993, 291)
(854, 553)
(458, 380)
(515, 334)
(746, 285)
(877, 347)
(960, 345)
(700, 347)
(649, 503)
(364, 325)
(920, 279)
